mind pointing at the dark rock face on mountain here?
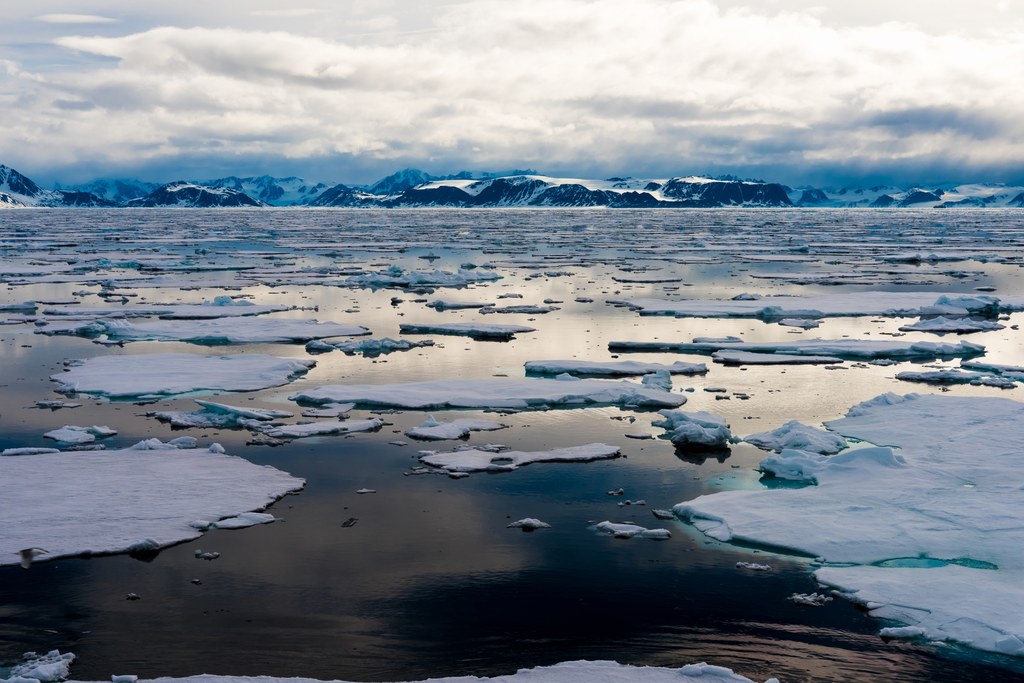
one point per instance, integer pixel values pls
(340, 195)
(920, 197)
(445, 195)
(812, 197)
(1017, 200)
(884, 201)
(14, 183)
(189, 195)
(80, 199)
(400, 182)
(7, 200)
(570, 194)
(711, 193)
(117, 191)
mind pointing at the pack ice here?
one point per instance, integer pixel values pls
(495, 393)
(168, 374)
(211, 332)
(932, 531)
(145, 497)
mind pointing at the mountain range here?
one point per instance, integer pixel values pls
(518, 188)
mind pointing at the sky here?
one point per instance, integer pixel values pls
(866, 92)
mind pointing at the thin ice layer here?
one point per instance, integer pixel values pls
(496, 393)
(840, 348)
(109, 501)
(622, 368)
(947, 505)
(167, 374)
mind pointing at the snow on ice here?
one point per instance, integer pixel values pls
(433, 430)
(167, 374)
(474, 460)
(933, 531)
(610, 368)
(109, 501)
(495, 393)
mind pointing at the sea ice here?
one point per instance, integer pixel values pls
(793, 434)
(942, 324)
(472, 330)
(475, 460)
(299, 431)
(495, 393)
(566, 672)
(934, 529)
(631, 531)
(697, 429)
(107, 501)
(210, 332)
(610, 368)
(837, 304)
(167, 374)
(528, 524)
(370, 348)
(955, 376)
(408, 279)
(432, 430)
(48, 668)
(841, 348)
(72, 434)
(219, 415)
(749, 358)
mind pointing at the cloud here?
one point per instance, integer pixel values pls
(590, 86)
(293, 12)
(75, 19)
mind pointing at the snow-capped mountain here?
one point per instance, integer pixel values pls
(290, 191)
(184, 194)
(117, 191)
(399, 182)
(18, 190)
(959, 196)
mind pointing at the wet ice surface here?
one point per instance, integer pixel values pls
(423, 578)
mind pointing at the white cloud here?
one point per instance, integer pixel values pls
(294, 12)
(75, 19)
(588, 84)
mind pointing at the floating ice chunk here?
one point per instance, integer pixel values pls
(958, 325)
(370, 348)
(810, 599)
(754, 567)
(793, 434)
(475, 460)
(28, 451)
(329, 410)
(472, 330)
(246, 519)
(902, 632)
(167, 374)
(700, 429)
(442, 305)
(363, 491)
(955, 376)
(48, 668)
(496, 393)
(299, 431)
(105, 501)
(610, 368)
(71, 434)
(841, 348)
(836, 304)
(802, 323)
(949, 504)
(210, 332)
(219, 415)
(794, 465)
(659, 379)
(432, 430)
(631, 531)
(749, 358)
(528, 524)
(530, 310)
(400, 278)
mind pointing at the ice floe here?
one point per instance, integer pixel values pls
(473, 330)
(433, 430)
(72, 434)
(750, 358)
(941, 324)
(695, 429)
(48, 668)
(796, 435)
(933, 531)
(398, 277)
(495, 393)
(109, 501)
(300, 431)
(528, 524)
(219, 415)
(209, 332)
(955, 376)
(619, 530)
(167, 374)
(371, 348)
(566, 672)
(828, 305)
(610, 368)
(839, 348)
(475, 460)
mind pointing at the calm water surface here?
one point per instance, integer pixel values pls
(428, 581)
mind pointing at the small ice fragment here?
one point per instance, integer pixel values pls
(810, 599)
(528, 524)
(365, 490)
(754, 567)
